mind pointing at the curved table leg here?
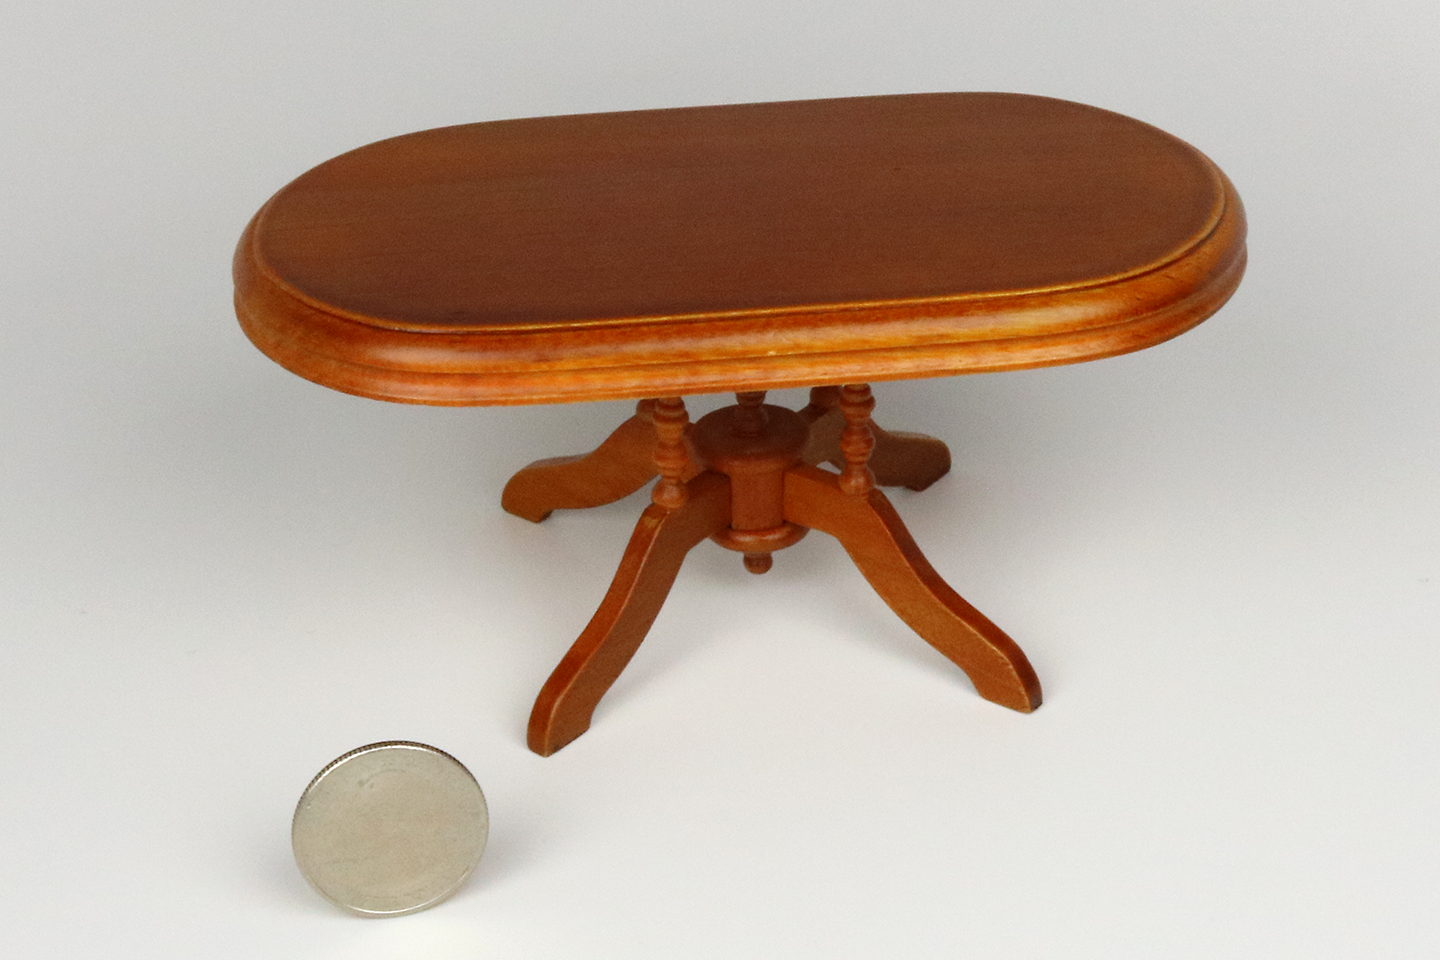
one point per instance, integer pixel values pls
(622, 464)
(900, 459)
(876, 539)
(657, 548)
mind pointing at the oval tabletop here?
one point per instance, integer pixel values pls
(755, 246)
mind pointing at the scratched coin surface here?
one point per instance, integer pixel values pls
(390, 828)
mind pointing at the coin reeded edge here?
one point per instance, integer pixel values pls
(370, 748)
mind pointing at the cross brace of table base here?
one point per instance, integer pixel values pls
(746, 476)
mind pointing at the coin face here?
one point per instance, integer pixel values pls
(390, 828)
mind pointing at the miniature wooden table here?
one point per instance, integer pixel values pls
(825, 244)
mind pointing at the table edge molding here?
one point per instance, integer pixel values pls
(887, 341)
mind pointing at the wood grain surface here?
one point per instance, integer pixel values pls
(753, 246)
(749, 490)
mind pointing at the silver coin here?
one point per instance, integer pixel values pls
(390, 828)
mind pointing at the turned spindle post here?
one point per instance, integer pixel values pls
(671, 457)
(857, 440)
(750, 421)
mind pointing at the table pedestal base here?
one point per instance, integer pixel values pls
(746, 477)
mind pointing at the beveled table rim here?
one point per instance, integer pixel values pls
(686, 353)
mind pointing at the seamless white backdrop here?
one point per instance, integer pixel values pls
(1221, 554)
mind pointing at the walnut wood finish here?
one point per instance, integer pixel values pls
(625, 461)
(756, 495)
(656, 254)
(898, 460)
(648, 569)
(872, 533)
(622, 464)
(753, 444)
(745, 247)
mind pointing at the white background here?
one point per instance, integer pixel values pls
(1222, 554)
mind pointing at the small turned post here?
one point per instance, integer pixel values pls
(750, 419)
(750, 422)
(671, 457)
(858, 440)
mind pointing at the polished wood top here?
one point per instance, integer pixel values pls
(748, 246)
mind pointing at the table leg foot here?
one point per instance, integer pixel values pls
(912, 460)
(900, 459)
(876, 539)
(622, 464)
(652, 560)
